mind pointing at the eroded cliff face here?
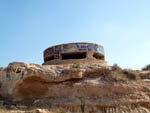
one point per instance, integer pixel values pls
(87, 88)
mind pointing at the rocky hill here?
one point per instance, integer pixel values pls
(75, 88)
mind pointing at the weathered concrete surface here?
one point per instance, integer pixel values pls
(71, 61)
(65, 86)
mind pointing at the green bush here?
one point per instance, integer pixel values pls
(76, 65)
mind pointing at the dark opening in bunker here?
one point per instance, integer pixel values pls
(77, 55)
(49, 58)
(98, 56)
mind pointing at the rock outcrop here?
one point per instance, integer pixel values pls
(88, 88)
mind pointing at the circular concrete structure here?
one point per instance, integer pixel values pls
(74, 53)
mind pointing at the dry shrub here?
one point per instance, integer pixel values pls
(132, 74)
(115, 67)
(146, 68)
(118, 74)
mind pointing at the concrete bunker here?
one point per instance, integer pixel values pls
(76, 52)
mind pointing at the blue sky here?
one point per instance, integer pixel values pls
(27, 27)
